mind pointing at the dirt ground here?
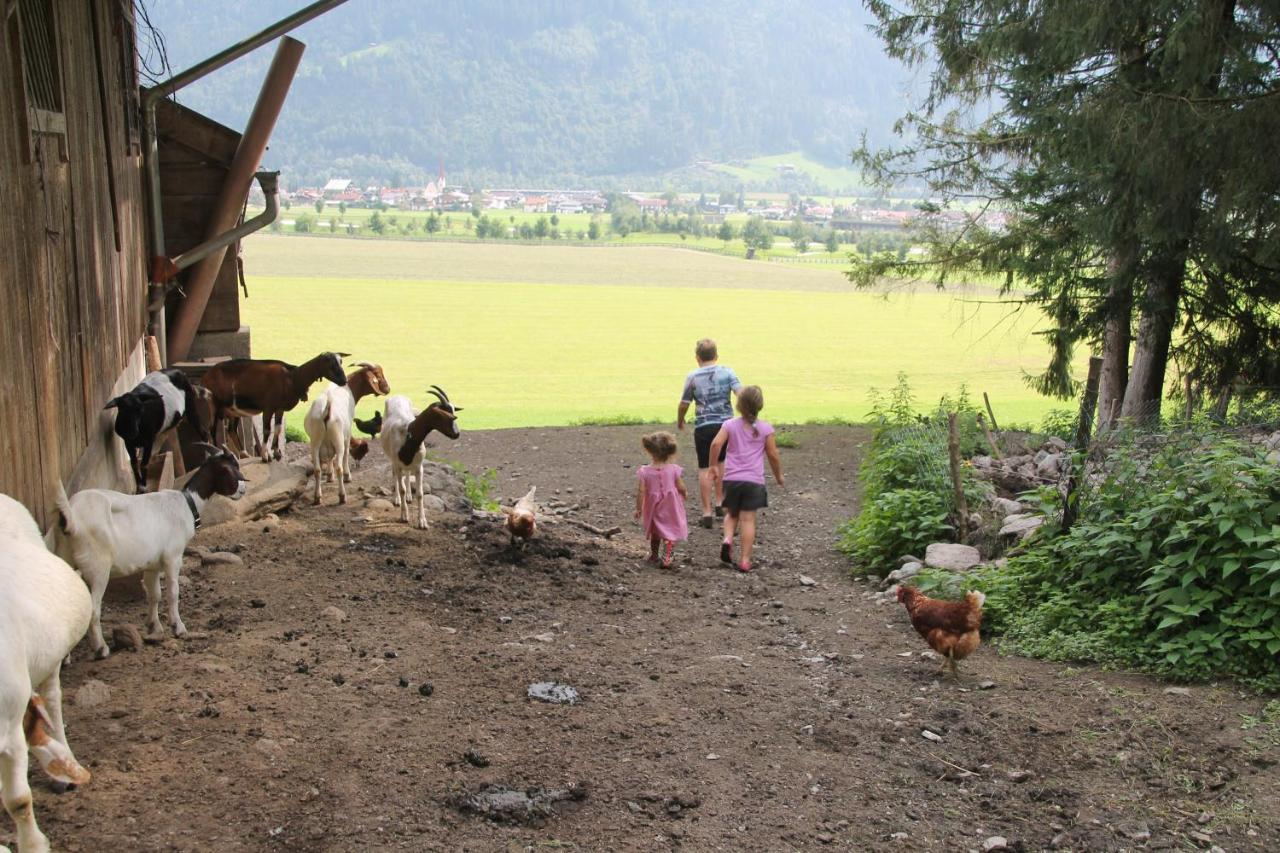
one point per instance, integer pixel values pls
(718, 711)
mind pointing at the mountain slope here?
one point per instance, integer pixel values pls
(548, 89)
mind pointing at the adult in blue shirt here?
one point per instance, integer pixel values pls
(709, 386)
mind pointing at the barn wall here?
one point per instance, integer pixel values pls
(73, 276)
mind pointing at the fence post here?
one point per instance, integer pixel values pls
(953, 449)
(991, 439)
(995, 426)
(1083, 429)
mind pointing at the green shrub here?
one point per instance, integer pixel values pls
(1172, 567)
(786, 438)
(294, 433)
(1060, 422)
(902, 521)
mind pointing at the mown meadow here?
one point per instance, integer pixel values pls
(552, 335)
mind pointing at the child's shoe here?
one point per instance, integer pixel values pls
(707, 521)
(668, 551)
(726, 552)
(744, 567)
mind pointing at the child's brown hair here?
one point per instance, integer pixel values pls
(705, 350)
(750, 403)
(660, 445)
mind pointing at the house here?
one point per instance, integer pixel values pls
(336, 188)
(535, 204)
(83, 143)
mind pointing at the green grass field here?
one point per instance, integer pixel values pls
(549, 335)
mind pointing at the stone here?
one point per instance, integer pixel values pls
(907, 558)
(907, 572)
(982, 461)
(222, 558)
(1050, 466)
(126, 637)
(271, 487)
(1004, 507)
(1178, 691)
(805, 580)
(1056, 444)
(379, 505)
(1019, 775)
(270, 522)
(334, 614)
(952, 557)
(269, 747)
(995, 842)
(92, 694)
(928, 735)
(1021, 526)
(434, 503)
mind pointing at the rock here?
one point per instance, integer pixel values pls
(805, 580)
(271, 487)
(928, 735)
(711, 756)
(434, 503)
(1021, 526)
(825, 837)
(269, 747)
(270, 522)
(907, 572)
(1057, 445)
(1004, 506)
(553, 692)
(426, 688)
(952, 557)
(379, 505)
(899, 836)
(1136, 832)
(907, 558)
(982, 462)
(1050, 467)
(475, 759)
(1178, 691)
(1019, 775)
(126, 637)
(986, 685)
(210, 667)
(995, 842)
(92, 693)
(333, 614)
(222, 558)
(196, 551)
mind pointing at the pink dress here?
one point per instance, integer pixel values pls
(663, 513)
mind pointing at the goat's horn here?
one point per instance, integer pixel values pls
(442, 393)
(436, 394)
(211, 449)
(366, 365)
(343, 354)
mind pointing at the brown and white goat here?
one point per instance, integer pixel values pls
(328, 424)
(107, 534)
(403, 432)
(252, 386)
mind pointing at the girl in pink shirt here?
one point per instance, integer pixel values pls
(749, 441)
(660, 498)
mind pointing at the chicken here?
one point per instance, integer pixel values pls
(949, 627)
(522, 519)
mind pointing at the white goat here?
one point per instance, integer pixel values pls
(107, 534)
(403, 431)
(328, 424)
(44, 611)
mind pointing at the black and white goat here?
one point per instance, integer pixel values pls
(107, 534)
(403, 432)
(152, 408)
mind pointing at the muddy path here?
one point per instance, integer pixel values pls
(355, 684)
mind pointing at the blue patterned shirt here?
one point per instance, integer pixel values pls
(709, 387)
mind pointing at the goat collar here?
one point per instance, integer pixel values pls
(191, 505)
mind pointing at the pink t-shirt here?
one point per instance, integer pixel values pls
(744, 460)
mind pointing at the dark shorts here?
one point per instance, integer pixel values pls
(740, 495)
(702, 438)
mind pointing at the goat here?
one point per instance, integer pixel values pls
(252, 386)
(107, 534)
(371, 427)
(328, 424)
(153, 407)
(45, 610)
(403, 432)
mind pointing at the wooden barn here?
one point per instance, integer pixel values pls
(122, 221)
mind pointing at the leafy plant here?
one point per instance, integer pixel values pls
(479, 490)
(294, 433)
(1172, 567)
(894, 523)
(786, 438)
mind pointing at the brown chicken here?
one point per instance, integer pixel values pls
(522, 519)
(949, 627)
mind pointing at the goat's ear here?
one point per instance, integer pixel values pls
(343, 354)
(457, 408)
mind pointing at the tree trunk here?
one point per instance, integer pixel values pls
(1151, 351)
(1116, 337)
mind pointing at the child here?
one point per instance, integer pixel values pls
(709, 386)
(660, 498)
(748, 441)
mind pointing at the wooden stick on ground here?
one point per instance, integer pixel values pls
(599, 531)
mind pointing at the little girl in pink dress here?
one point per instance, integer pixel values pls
(660, 498)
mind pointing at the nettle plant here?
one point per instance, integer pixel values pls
(1173, 566)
